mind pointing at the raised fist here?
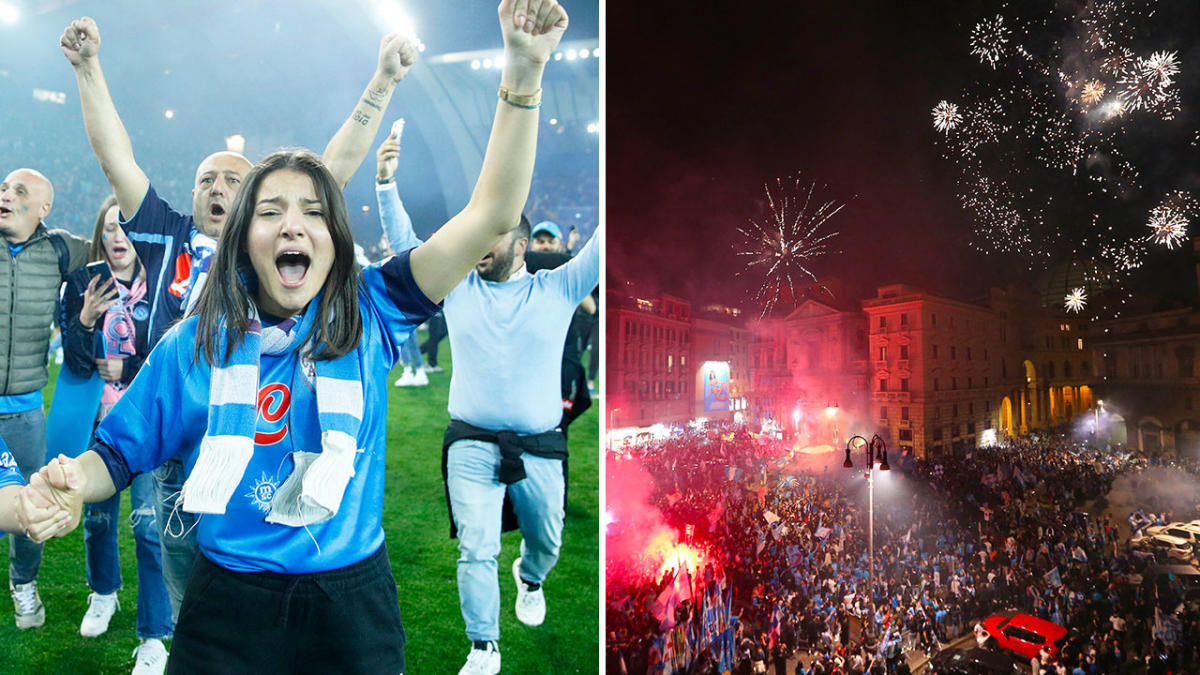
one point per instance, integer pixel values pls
(397, 54)
(80, 41)
(532, 28)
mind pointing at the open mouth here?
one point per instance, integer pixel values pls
(4, 211)
(216, 211)
(119, 251)
(485, 258)
(292, 267)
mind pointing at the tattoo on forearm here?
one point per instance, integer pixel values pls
(377, 95)
(372, 105)
(361, 118)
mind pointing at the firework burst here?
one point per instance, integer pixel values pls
(1064, 127)
(989, 39)
(945, 116)
(781, 246)
(1076, 300)
(1168, 226)
(1093, 92)
(1163, 66)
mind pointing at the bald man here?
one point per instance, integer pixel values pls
(31, 273)
(176, 249)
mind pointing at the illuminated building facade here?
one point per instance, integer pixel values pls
(930, 374)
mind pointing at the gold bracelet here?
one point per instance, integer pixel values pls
(527, 101)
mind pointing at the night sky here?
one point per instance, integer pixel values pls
(705, 104)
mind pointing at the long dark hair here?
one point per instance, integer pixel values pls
(96, 250)
(231, 284)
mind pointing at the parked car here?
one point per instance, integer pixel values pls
(1164, 547)
(1186, 531)
(1025, 634)
(978, 661)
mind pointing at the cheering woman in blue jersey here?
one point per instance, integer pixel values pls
(274, 396)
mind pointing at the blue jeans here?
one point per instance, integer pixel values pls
(177, 532)
(25, 435)
(477, 497)
(104, 559)
(410, 352)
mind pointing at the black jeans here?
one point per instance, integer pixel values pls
(341, 621)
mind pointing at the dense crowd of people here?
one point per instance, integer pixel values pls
(1015, 527)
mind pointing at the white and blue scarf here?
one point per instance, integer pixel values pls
(314, 490)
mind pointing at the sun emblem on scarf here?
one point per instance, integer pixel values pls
(262, 492)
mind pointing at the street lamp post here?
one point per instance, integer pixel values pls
(875, 449)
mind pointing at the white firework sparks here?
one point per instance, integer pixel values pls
(945, 116)
(1168, 226)
(989, 39)
(1161, 65)
(1141, 89)
(787, 240)
(1076, 300)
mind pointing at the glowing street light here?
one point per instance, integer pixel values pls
(876, 450)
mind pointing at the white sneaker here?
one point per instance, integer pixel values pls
(531, 605)
(27, 605)
(482, 661)
(406, 379)
(100, 611)
(150, 658)
(420, 379)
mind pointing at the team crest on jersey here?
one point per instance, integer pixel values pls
(262, 492)
(7, 461)
(140, 312)
(273, 403)
(183, 274)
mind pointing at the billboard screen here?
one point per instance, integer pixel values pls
(716, 386)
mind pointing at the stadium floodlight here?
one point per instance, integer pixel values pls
(235, 143)
(487, 63)
(169, 113)
(392, 17)
(558, 56)
(584, 53)
(9, 13)
(475, 64)
(572, 54)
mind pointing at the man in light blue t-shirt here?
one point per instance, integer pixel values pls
(507, 329)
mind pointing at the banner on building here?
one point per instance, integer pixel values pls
(716, 386)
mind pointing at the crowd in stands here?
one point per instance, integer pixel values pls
(1004, 528)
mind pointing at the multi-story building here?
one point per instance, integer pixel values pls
(810, 374)
(928, 373)
(650, 374)
(1149, 381)
(950, 374)
(932, 371)
(1046, 364)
